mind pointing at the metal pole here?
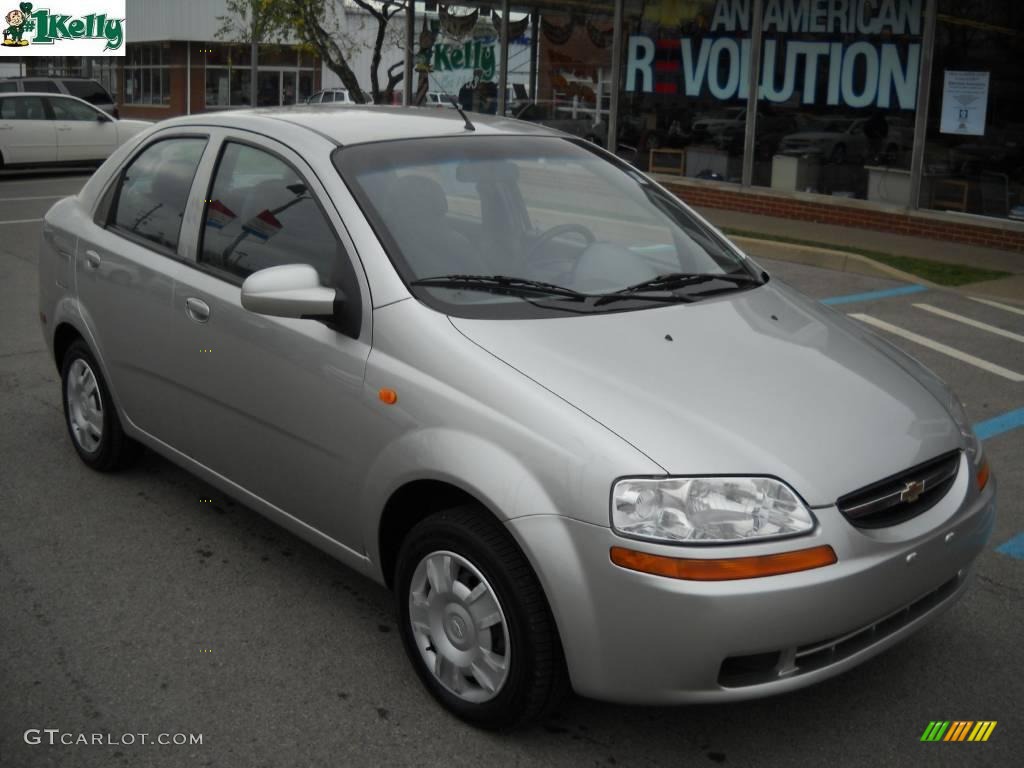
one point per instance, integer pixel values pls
(613, 103)
(534, 31)
(188, 77)
(410, 53)
(252, 76)
(753, 91)
(503, 82)
(924, 87)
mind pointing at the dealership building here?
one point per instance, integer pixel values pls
(903, 116)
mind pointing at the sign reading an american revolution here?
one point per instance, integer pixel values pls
(802, 38)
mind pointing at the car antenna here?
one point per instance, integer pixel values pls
(469, 126)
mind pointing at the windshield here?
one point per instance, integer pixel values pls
(542, 209)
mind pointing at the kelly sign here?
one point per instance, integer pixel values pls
(857, 71)
(72, 28)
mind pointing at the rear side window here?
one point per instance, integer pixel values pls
(87, 90)
(154, 190)
(262, 214)
(41, 86)
(22, 108)
(327, 96)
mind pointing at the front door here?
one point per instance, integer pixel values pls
(83, 132)
(275, 402)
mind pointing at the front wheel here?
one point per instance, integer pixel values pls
(475, 622)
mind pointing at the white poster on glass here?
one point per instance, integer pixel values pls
(964, 103)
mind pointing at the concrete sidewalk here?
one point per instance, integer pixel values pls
(882, 242)
(839, 238)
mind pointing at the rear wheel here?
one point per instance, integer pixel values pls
(89, 412)
(475, 623)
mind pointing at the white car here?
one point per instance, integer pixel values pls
(331, 96)
(52, 129)
(834, 141)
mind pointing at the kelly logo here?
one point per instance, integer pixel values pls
(473, 54)
(62, 31)
(958, 730)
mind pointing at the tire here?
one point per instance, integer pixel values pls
(522, 673)
(89, 413)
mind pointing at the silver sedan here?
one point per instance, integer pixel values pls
(586, 441)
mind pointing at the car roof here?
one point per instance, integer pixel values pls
(51, 77)
(348, 124)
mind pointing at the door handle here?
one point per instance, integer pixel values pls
(6, 127)
(92, 260)
(64, 129)
(197, 309)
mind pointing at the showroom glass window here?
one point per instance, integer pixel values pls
(838, 96)
(684, 88)
(974, 155)
(285, 76)
(147, 75)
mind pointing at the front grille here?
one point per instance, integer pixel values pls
(901, 497)
(756, 669)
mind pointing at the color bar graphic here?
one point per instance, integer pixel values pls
(958, 730)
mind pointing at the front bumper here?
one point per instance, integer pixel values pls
(633, 637)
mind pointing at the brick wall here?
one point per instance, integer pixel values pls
(932, 225)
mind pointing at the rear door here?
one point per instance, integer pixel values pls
(126, 261)
(27, 134)
(83, 132)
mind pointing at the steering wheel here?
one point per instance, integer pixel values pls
(548, 235)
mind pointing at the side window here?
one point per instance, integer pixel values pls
(262, 214)
(88, 90)
(154, 190)
(327, 96)
(67, 109)
(41, 86)
(8, 87)
(22, 108)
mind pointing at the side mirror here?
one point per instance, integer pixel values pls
(290, 290)
(103, 117)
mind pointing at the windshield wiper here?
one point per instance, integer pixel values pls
(674, 280)
(515, 286)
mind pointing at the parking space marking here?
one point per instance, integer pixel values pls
(924, 341)
(20, 221)
(999, 424)
(970, 321)
(903, 290)
(34, 197)
(1014, 547)
(997, 305)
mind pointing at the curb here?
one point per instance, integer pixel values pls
(825, 258)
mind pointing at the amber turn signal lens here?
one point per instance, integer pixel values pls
(983, 474)
(726, 569)
(388, 396)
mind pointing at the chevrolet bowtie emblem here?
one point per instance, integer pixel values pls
(912, 491)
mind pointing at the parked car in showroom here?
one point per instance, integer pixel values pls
(46, 129)
(85, 88)
(834, 140)
(584, 439)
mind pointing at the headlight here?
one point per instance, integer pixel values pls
(963, 422)
(708, 510)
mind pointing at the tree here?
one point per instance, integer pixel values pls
(253, 22)
(324, 26)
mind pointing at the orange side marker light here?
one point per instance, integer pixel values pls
(388, 396)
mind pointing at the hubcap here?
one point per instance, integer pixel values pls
(459, 626)
(85, 406)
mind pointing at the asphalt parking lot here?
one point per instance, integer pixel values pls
(129, 606)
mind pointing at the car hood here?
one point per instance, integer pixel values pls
(761, 382)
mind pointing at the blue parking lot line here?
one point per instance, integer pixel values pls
(1000, 424)
(903, 290)
(1014, 547)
